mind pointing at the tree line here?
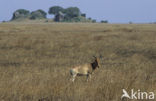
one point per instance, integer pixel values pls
(70, 14)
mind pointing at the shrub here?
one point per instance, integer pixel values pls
(20, 13)
(39, 14)
(104, 21)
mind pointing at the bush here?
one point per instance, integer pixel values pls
(77, 19)
(20, 13)
(39, 14)
(104, 21)
(94, 21)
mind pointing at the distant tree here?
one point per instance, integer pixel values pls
(59, 17)
(38, 14)
(23, 11)
(94, 21)
(43, 13)
(72, 12)
(104, 21)
(130, 22)
(55, 10)
(89, 18)
(84, 15)
(20, 13)
(3, 21)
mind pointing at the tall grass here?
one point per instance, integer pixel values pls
(35, 60)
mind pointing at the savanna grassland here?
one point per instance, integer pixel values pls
(35, 60)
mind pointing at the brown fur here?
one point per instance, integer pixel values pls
(85, 69)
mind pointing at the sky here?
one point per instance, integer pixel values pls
(115, 11)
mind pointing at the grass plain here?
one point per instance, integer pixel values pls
(35, 60)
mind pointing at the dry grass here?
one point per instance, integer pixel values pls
(35, 60)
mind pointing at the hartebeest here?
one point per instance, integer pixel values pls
(85, 69)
